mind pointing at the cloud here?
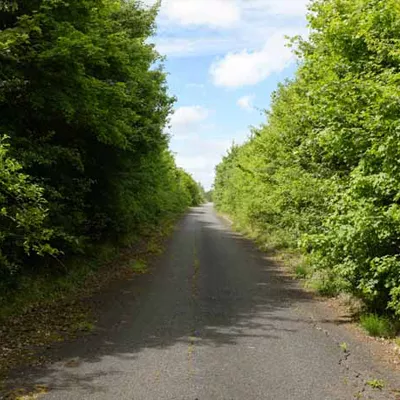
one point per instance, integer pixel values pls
(251, 67)
(193, 47)
(214, 13)
(246, 102)
(200, 153)
(199, 144)
(245, 38)
(187, 119)
(287, 7)
(175, 47)
(190, 28)
(225, 13)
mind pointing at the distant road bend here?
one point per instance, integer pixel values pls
(216, 320)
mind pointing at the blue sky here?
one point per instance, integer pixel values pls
(224, 59)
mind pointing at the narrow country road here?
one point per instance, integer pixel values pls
(216, 320)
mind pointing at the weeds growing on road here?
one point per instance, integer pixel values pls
(376, 384)
(138, 266)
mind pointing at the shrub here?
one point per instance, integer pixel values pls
(23, 216)
(376, 325)
(322, 175)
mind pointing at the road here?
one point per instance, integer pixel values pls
(216, 320)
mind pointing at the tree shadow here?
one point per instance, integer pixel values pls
(212, 288)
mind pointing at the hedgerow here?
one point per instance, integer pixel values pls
(323, 173)
(84, 103)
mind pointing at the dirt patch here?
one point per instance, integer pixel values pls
(386, 351)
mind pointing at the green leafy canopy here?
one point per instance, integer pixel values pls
(83, 99)
(323, 174)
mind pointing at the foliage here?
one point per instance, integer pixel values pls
(194, 191)
(23, 215)
(376, 384)
(209, 196)
(323, 174)
(344, 347)
(376, 325)
(83, 98)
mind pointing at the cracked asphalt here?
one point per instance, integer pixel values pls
(215, 320)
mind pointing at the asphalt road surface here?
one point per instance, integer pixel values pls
(216, 319)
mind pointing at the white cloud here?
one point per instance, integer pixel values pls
(193, 47)
(186, 119)
(251, 67)
(247, 36)
(245, 28)
(225, 13)
(287, 8)
(215, 13)
(175, 47)
(198, 143)
(200, 153)
(246, 102)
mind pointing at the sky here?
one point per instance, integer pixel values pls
(224, 58)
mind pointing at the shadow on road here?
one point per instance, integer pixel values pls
(212, 288)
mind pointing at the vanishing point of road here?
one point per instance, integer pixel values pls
(215, 319)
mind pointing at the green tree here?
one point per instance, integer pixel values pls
(23, 216)
(83, 97)
(323, 173)
(83, 104)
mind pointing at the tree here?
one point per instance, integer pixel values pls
(23, 215)
(323, 173)
(84, 101)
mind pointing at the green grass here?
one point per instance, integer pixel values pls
(83, 326)
(344, 347)
(139, 267)
(301, 271)
(49, 287)
(378, 326)
(40, 289)
(323, 285)
(376, 384)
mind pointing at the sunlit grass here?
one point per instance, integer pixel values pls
(378, 326)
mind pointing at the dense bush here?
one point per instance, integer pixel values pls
(83, 99)
(22, 215)
(323, 174)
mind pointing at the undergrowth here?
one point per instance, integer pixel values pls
(379, 326)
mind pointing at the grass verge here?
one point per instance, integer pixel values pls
(378, 326)
(319, 282)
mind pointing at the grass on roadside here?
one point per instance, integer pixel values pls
(138, 267)
(378, 326)
(318, 281)
(49, 307)
(40, 289)
(301, 271)
(323, 284)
